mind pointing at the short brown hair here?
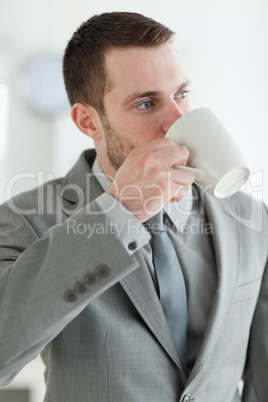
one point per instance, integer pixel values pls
(84, 67)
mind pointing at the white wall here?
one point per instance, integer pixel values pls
(223, 44)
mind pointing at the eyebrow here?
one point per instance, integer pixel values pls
(140, 95)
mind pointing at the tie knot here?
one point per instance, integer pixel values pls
(155, 224)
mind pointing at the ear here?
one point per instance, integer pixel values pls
(86, 118)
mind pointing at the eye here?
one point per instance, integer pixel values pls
(144, 105)
(182, 94)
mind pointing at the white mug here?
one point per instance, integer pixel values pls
(218, 164)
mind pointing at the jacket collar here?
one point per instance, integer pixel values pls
(79, 187)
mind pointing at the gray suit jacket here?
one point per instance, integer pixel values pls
(91, 309)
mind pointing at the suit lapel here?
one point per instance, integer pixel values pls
(226, 244)
(141, 290)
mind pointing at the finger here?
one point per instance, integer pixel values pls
(180, 192)
(181, 155)
(153, 146)
(183, 177)
(166, 156)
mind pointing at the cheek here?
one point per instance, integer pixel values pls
(187, 107)
(143, 132)
(137, 129)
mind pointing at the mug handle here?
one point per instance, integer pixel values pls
(198, 173)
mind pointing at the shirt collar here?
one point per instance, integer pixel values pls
(178, 212)
(103, 180)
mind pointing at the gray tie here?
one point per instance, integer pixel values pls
(172, 291)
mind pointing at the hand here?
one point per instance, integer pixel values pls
(146, 180)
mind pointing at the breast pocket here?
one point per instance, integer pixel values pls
(247, 291)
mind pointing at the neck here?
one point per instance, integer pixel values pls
(105, 165)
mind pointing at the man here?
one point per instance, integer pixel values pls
(78, 275)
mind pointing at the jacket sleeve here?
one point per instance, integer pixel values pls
(256, 379)
(46, 282)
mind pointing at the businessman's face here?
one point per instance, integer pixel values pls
(149, 92)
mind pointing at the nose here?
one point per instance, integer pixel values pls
(172, 113)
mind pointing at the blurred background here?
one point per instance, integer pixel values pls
(222, 44)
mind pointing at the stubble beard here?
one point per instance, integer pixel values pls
(117, 147)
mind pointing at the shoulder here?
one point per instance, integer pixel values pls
(250, 208)
(39, 207)
(243, 212)
(43, 206)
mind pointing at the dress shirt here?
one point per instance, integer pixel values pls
(191, 233)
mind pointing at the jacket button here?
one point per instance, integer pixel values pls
(91, 279)
(80, 287)
(102, 271)
(132, 246)
(187, 398)
(70, 296)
